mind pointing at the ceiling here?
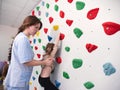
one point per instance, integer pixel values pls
(12, 12)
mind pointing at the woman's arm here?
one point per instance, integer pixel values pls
(33, 62)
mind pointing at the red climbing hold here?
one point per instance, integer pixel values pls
(56, 0)
(38, 55)
(33, 13)
(70, 1)
(36, 48)
(50, 19)
(62, 36)
(91, 47)
(30, 41)
(45, 30)
(111, 27)
(69, 22)
(62, 14)
(58, 60)
(92, 13)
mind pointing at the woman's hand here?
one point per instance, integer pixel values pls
(48, 61)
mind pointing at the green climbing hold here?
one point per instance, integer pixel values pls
(66, 75)
(32, 47)
(77, 63)
(89, 85)
(37, 72)
(67, 49)
(39, 40)
(80, 5)
(37, 8)
(47, 5)
(43, 47)
(77, 32)
(56, 8)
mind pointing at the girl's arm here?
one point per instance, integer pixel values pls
(55, 48)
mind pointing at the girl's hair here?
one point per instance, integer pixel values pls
(28, 21)
(49, 48)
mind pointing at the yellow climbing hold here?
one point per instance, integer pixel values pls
(38, 34)
(55, 27)
(30, 83)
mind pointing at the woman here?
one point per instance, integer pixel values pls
(22, 62)
(44, 78)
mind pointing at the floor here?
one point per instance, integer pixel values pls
(1, 87)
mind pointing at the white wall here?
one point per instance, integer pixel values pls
(6, 34)
(92, 68)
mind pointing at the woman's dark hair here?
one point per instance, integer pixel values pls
(49, 48)
(28, 21)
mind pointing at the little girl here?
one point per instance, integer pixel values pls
(44, 78)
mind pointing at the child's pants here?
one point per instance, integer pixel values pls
(47, 84)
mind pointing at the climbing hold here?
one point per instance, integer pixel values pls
(77, 63)
(57, 83)
(49, 38)
(55, 27)
(58, 60)
(38, 34)
(39, 13)
(43, 3)
(33, 78)
(45, 30)
(66, 75)
(34, 40)
(77, 32)
(70, 1)
(36, 48)
(111, 27)
(89, 85)
(69, 22)
(62, 36)
(47, 5)
(108, 69)
(43, 47)
(36, 72)
(50, 19)
(46, 14)
(33, 13)
(56, 0)
(92, 13)
(32, 47)
(39, 40)
(38, 55)
(62, 14)
(67, 49)
(80, 5)
(91, 47)
(37, 8)
(30, 41)
(56, 8)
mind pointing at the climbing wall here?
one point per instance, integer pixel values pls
(88, 57)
